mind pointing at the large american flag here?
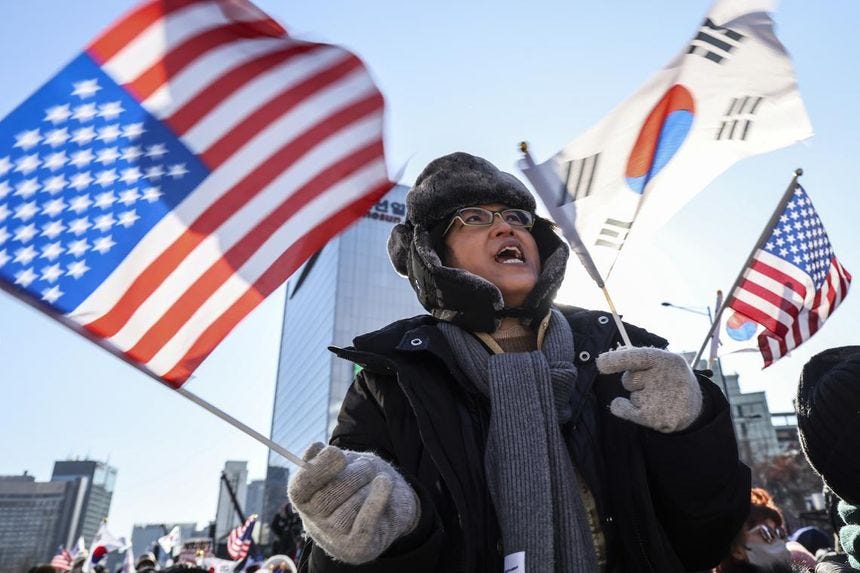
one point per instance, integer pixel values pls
(177, 171)
(793, 283)
(239, 539)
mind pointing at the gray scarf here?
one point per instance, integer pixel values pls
(529, 471)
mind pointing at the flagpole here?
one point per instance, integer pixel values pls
(715, 338)
(277, 448)
(582, 252)
(786, 197)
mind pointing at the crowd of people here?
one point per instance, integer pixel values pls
(503, 432)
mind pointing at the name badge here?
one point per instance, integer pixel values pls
(515, 562)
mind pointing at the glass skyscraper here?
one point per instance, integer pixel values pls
(101, 479)
(347, 289)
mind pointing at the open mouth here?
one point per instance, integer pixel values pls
(510, 255)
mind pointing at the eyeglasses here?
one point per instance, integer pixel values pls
(768, 534)
(480, 217)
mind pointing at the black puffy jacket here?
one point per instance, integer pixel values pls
(668, 502)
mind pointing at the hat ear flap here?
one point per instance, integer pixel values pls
(398, 247)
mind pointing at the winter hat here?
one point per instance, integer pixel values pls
(828, 419)
(447, 184)
(812, 538)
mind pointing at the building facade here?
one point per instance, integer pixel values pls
(346, 289)
(226, 517)
(785, 426)
(98, 480)
(274, 494)
(35, 518)
(254, 497)
(754, 430)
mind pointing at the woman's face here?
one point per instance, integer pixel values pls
(763, 545)
(505, 255)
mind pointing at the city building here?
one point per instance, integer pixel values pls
(35, 518)
(226, 517)
(754, 430)
(98, 480)
(785, 426)
(254, 497)
(346, 289)
(274, 495)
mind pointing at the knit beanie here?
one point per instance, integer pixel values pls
(828, 419)
(447, 184)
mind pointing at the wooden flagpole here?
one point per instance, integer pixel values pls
(786, 197)
(581, 250)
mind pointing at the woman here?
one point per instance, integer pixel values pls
(760, 545)
(498, 431)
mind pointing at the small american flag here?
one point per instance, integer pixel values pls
(239, 540)
(62, 560)
(793, 283)
(176, 172)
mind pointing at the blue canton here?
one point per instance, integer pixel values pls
(799, 238)
(85, 173)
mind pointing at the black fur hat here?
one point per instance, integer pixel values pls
(447, 184)
(828, 419)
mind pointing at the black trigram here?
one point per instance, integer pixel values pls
(578, 179)
(738, 119)
(613, 234)
(714, 42)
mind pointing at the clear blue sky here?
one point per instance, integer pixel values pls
(473, 76)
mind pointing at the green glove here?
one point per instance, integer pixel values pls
(664, 393)
(353, 504)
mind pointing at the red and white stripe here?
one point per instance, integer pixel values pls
(784, 301)
(238, 547)
(292, 132)
(62, 561)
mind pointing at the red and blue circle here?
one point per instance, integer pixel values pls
(739, 327)
(98, 553)
(660, 137)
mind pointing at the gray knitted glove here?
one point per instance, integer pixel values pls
(353, 504)
(664, 393)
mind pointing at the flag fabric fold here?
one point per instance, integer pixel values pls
(128, 562)
(172, 540)
(103, 543)
(730, 93)
(79, 547)
(791, 286)
(177, 171)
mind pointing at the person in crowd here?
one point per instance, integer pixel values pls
(760, 543)
(146, 563)
(42, 568)
(814, 539)
(828, 423)
(500, 430)
(279, 564)
(287, 527)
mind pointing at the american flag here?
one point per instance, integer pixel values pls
(176, 172)
(793, 283)
(239, 540)
(62, 560)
